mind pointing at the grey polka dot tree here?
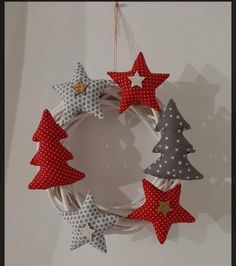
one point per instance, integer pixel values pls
(173, 147)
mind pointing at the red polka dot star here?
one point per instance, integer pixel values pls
(138, 85)
(162, 209)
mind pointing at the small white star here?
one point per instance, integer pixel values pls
(158, 171)
(189, 169)
(170, 108)
(180, 171)
(87, 232)
(136, 80)
(172, 157)
(168, 172)
(166, 137)
(173, 169)
(166, 124)
(165, 161)
(166, 147)
(181, 123)
(160, 166)
(177, 117)
(171, 115)
(178, 140)
(176, 149)
(179, 162)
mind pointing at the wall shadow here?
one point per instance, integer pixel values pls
(43, 229)
(15, 29)
(210, 136)
(104, 150)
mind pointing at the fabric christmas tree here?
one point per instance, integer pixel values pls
(52, 156)
(173, 146)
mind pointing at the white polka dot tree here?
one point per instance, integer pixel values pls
(173, 147)
(52, 156)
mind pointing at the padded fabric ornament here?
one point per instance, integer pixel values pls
(89, 225)
(52, 156)
(138, 85)
(162, 209)
(173, 146)
(81, 94)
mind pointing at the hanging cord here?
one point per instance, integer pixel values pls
(116, 32)
(68, 198)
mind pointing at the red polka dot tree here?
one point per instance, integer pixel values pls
(52, 156)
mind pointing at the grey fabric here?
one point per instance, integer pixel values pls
(174, 147)
(91, 222)
(88, 102)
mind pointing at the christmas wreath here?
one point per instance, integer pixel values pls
(134, 92)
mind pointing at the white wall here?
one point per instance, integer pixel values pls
(191, 41)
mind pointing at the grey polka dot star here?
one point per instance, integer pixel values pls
(81, 94)
(89, 225)
(173, 147)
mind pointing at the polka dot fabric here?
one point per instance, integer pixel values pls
(174, 148)
(149, 210)
(91, 216)
(52, 157)
(88, 102)
(143, 95)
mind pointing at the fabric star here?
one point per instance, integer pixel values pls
(140, 89)
(136, 80)
(81, 94)
(89, 225)
(162, 209)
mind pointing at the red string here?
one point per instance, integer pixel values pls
(116, 30)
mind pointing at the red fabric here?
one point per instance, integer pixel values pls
(144, 95)
(149, 210)
(52, 156)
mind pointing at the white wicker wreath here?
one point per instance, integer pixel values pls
(68, 198)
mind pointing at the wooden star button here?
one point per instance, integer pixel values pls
(80, 88)
(164, 207)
